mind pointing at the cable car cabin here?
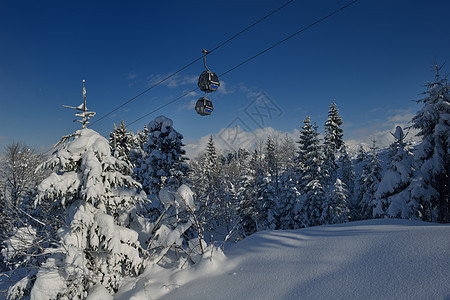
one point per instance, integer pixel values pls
(204, 106)
(208, 81)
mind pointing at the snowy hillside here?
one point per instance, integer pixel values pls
(375, 259)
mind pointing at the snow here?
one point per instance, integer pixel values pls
(374, 259)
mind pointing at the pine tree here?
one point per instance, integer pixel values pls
(97, 243)
(337, 205)
(393, 193)
(431, 188)
(333, 141)
(368, 184)
(312, 177)
(248, 207)
(347, 176)
(162, 162)
(122, 142)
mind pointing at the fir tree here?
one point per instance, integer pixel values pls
(347, 176)
(333, 141)
(162, 162)
(431, 189)
(97, 243)
(337, 207)
(368, 184)
(393, 195)
(248, 207)
(122, 142)
(312, 177)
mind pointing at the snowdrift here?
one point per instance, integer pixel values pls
(375, 259)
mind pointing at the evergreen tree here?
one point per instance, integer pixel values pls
(122, 142)
(347, 175)
(312, 176)
(368, 185)
(333, 141)
(431, 189)
(248, 207)
(162, 162)
(287, 154)
(97, 245)
(337, 207)
(393, 195)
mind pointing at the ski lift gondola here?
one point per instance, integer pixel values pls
(204, 106)
(207, 82)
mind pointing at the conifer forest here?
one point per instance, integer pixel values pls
(97, 211)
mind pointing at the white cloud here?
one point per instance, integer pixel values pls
(381, 131)
(131, 76)
(231, 139)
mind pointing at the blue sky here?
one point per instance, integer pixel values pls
(373, 58)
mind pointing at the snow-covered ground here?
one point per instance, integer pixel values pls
(375, 259)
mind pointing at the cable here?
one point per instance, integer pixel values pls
(253, 57)
(162, 106)
(191, 63)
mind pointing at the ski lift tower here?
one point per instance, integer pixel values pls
(84, 113)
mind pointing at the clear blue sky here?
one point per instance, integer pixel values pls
(373, 58)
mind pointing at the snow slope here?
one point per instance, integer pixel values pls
(375, 259)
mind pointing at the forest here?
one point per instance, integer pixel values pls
(98, 210)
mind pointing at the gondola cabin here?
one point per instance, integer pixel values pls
(208, 81)
(204, 106)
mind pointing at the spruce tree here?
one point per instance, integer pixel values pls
(431, 189)
(393, 194)
(311, 181)
(333, 141)
(162, 162)
(368, 185)
(122, 142)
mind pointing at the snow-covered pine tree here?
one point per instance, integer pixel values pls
(347, 170)
(287, 154)
(122, 141)
(311, 181)
(431, 188)
(347, 176)
(337, 208)
(209, 186)
(97, 245)
(248, 207)
(368, 185)
(162, 162)
(333, 141)
(393, 194)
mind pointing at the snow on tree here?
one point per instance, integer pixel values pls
(287, 153)
(162, 162)
(431, 187)
(248, 207)
(333, 141)
(312, 174)
(347, 176)
(347, 170)
(336, 206)
(368, 185)
(171, 239)
(122, 142)
(18, 182)
(393, 192)
(17, 174)
(97, 243)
